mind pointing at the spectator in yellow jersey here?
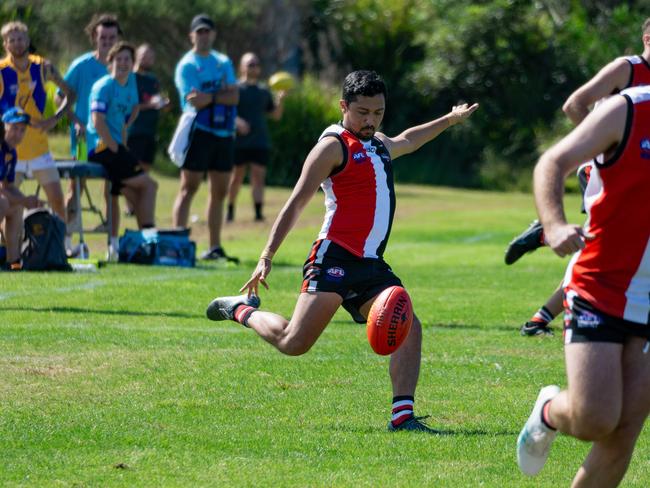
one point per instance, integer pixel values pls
(22, 84)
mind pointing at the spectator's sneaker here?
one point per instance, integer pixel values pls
(78, 251)
(113, 254)
(529, 240)
(535, 329)
(223, 308)
(413, 424)
(217, 253)
(535, 439)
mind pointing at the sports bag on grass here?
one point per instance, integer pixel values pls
(43, 246)
(158, 247)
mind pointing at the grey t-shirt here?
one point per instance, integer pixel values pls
(254, 103)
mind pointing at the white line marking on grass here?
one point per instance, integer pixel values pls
(479, 237)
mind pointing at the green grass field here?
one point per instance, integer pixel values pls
(116, 378)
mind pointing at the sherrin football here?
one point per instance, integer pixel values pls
(389, 320)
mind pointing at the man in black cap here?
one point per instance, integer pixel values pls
(207, 88)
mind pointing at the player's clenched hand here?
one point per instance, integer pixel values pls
(259, 276)
(566, 239)
(460, 113)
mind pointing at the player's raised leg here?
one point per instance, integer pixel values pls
(293, 337)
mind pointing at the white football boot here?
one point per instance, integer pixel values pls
(535, 439)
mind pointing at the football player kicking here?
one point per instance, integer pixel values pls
(353, 165)
(607, 293)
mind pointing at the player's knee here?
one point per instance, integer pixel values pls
(593, 426)
(293, 346)
(152, 184)
(188, 191)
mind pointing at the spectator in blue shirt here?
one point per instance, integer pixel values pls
(113, 108)
(206, 84)
(12, 201)
(103, 31)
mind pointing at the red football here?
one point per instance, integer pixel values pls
(389, 320)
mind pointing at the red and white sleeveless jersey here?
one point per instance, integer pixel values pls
(359, 196)
(613, 270)
(640, 74)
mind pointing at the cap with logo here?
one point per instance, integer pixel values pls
(15, 115)
(201, 21)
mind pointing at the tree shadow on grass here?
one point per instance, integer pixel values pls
(91, 311)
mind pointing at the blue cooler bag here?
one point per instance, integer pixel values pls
(158, 247)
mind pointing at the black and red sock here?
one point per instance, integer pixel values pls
(543, 316)
(545, 415)
(402, 409)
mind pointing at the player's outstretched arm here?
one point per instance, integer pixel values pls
(414, 138)
(52, 74)
(612, 77)
(321, 161)
(600, 132)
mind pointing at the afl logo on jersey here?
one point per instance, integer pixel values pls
(645, 148)
(359, 157)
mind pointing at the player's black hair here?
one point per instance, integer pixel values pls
(363, 82)
(105, 20)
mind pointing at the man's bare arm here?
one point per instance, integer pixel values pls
(99, 121)
(612, 77)
(320, 163)
(415, 137)
(600, 131)
(16, 197)
(53, 75)
(228, 95)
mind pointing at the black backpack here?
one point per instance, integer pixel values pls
(43, 243)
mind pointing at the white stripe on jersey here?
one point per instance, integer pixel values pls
(637, 306)
(568, 274)
(634, 59)
(330, 207)
(382, 204)
(638, 94)
(593, 191)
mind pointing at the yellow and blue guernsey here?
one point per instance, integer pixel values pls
(25, 89)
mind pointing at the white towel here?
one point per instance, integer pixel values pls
(180, 142)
